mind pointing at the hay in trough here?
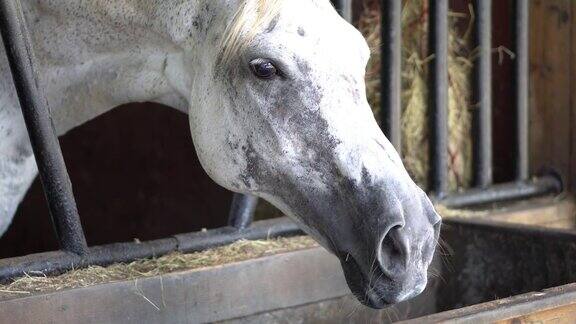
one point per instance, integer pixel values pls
(415, 57)
(94, 275)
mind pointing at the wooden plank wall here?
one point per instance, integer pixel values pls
(573, 97)
(552, 87)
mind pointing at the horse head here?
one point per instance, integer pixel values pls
(279, 111)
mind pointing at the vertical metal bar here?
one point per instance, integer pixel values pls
(521, 83)
(344, 8)
(438, 99)
(57, 186)
(482, 124)
(391, 38)
(242, 210)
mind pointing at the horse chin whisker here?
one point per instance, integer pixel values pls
(443, 246)
(433, 274)
(392, 309)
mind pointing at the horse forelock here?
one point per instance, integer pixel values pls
(252, 17)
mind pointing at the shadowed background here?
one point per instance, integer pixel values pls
(135, 175)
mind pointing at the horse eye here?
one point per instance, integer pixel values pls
(263, 68)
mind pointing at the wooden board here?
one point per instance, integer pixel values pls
(555, 305)
(544, 212)
(296, 282)
(558, 315)
(197, 296)
(573, 100)
(550, 93)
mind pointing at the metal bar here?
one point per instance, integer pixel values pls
(344, 8)
(482, 127)
(57, 186)
(58, 262)
(242, 210)
(504, 192)
(390, 73)
(438, 105)
(265, 229)
(521, 87)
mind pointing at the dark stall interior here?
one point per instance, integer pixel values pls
(135, 176)
(503, 115)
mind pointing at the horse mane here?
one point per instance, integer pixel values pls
(251, 17)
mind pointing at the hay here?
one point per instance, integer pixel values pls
(447, 212)
(94, 275)
(414, 93)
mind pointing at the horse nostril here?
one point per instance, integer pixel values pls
(393, 255)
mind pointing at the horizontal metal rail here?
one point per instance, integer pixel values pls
(504, 192)
(57, 262)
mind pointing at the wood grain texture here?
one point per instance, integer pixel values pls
(573, 101)
(554, 305)
(560, 315)
(196, 296)
(551, 25)
(542, 212)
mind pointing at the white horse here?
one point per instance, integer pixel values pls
(275, 93)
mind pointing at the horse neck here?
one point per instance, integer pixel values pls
(190, 27)
(168, 35)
